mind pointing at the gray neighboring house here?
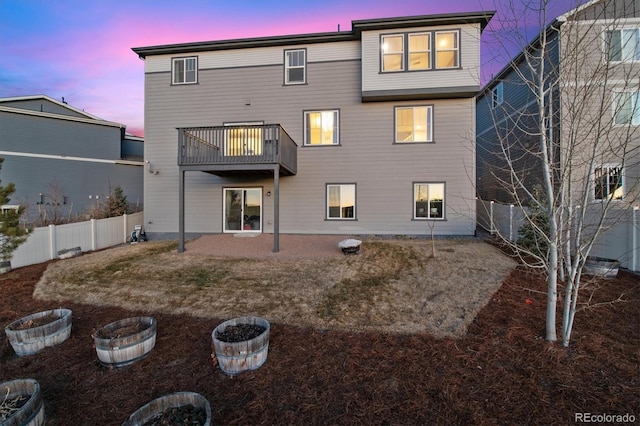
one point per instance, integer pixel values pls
(607, 32)
(360, 132)
(64, 160)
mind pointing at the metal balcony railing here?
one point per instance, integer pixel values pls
(247, 146)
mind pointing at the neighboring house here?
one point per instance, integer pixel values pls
(596, 45)
(365, 131)
(63, 160)
(592, 106)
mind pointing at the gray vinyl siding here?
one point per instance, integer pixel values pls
(45, 135)
(78, 158)
(76, 180)
(383, 172)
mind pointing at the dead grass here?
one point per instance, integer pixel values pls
(391, 286)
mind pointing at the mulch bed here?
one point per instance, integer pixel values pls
(501, 372)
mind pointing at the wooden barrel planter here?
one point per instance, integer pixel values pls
(126, 341)
(234, 357)
(601, 267)
(22, 404)
(192, 408)
(31, 334)
(68, 253)
(5, 266)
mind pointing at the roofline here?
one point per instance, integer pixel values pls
(95, 121)
(50, 99)
(358, 27)
(565, 16)
(553, 26)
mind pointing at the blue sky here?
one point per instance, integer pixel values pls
(81, 50)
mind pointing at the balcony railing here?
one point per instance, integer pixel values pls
(249, 147)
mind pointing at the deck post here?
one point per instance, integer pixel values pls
(276, 209)
(181, 212)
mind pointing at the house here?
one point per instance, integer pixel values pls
(64, 161)
(591, 118)
(595, 46)
(366, 131)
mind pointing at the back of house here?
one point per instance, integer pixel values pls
(368, 131)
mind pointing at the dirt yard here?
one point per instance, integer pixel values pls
(368, 343)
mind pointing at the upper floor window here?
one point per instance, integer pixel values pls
(321, 127)
(393, 52)
(420, 51)
(624, 45)
(496, 95)
(341, 201)
(447, 49)
(627, 108)
(428, 200)
(185, 70)
(414, 124)
(295, 64)
(608, 183)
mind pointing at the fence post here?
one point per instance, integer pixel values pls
(125, 223)
(510, 222)
(634, 240)
(492, 229)
(94, 231)
(52, 242)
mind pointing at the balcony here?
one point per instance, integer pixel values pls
(237, 150)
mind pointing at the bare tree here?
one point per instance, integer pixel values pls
(575, 136)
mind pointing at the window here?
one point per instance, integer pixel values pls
(428, 200)
(627, 108)
(447, 49)
(295, 63)
(393, 53)
(321, 128)
(624, 45)
(608, 183)
(496, 95)
(419, 51)
(420, 48)
(414, 124)
(341, 201)
(185, 70)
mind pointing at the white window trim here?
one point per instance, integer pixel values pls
(184, 60)
(616, 108)
(337, 126)
(606, 45)
(455, 49)
(402, 52)
(432, 50)
(429, 123)
(287, 67)
(444, 201)
(355, 201)
(428, 51)
(497, 95)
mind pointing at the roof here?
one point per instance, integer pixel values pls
(358, 27)
(49, 99)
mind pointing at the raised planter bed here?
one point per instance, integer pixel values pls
(22, 404)
(601, 267)
(31, 334)
(235, 349)
(180, 408)
(126, 341)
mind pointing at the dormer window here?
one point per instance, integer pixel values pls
(295, 66)
(429, 50)
(185, 70)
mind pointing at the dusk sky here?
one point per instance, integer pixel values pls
(81, 50)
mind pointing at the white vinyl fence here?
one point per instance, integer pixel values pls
(44, 243)
(619, 240)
